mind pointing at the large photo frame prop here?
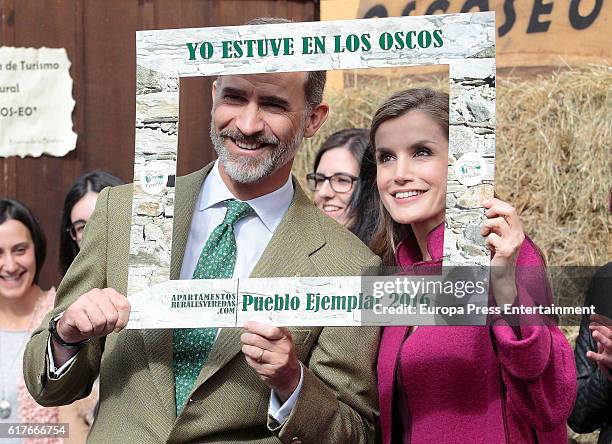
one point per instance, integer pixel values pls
(464, 42)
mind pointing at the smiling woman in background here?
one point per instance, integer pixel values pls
(23, 304)
(344, 181)
(78, 208)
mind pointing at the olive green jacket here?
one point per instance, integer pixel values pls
(337, 402)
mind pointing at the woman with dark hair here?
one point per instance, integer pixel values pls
(344, 181)
(507, 382)
(23, 305)
(78, 207)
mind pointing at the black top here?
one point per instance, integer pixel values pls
(593, 408)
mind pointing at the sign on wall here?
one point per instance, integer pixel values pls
(35, 102)
(529, 32)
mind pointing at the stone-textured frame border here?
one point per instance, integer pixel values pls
(162, 57)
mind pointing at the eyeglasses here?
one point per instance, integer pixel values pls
(339, 182)
(76, 230)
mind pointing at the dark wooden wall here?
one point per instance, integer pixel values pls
(99, 36)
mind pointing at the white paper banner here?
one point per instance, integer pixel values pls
(314, 301)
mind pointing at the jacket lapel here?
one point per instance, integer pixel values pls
(296, 238)
(287, 254)
(187, 192)
(158, 343)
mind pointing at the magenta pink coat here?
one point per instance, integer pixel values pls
(457, 388)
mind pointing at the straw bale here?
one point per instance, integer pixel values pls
(554, 161)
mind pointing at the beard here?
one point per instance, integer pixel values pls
(252, 169)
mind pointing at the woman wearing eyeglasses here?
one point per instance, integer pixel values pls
(344, 181)
(78, 208)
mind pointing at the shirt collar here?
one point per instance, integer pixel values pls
(270, 208)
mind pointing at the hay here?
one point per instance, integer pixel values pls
(554, 161)
(553, 152)
(554, 165)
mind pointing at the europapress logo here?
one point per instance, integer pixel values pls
(470, 169)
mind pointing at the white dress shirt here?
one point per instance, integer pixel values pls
(252, 234)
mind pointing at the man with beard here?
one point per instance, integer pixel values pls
(241, 216)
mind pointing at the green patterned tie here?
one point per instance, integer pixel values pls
(190, 346)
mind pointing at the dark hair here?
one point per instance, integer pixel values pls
(13, 210)
(315, 80)
(362, 208)
(364, 205)
(355, 139)
(94, 181)
(435, 104)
